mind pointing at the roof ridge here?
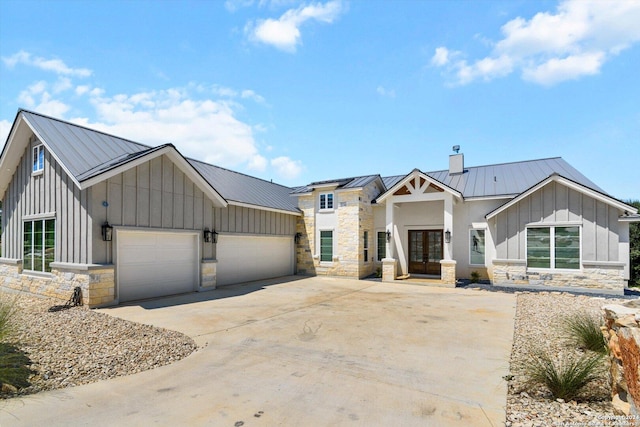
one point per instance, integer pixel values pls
(502, 164)
(24, 110)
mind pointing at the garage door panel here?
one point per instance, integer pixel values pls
(247, 258)
(152, 264)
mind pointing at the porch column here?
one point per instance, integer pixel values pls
(389, 263)
(448, 226)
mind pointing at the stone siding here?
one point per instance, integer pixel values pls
(96, 282)
(606, 277)
(305, 226)
(622, 333)
(448, 272)
(208, 271)
(389, 269)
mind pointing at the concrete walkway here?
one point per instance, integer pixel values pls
(306, 352)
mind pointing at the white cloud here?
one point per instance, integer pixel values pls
(63, 83)
(549, 48)
(386, 92)
(5, 128)
(55, 65)
(286, 167)
(249, 94)
(284, 32)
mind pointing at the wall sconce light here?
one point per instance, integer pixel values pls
(207, 235)
(447, 236)
(214, 234)
(297, 238)
(107, 232)
(388, 236)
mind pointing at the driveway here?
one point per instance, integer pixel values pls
(307, 352)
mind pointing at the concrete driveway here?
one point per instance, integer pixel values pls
(307, 352)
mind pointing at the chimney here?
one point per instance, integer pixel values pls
(456, 161)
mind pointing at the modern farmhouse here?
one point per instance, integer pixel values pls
(124, 221)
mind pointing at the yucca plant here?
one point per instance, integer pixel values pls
(565, 378)
(586, 331)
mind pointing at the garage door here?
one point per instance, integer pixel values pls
(152, 264)
(246, 258)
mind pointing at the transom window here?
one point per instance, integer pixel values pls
(326, 246)
(553, 247)
(38, 158)
(39, 244)
(326, 201)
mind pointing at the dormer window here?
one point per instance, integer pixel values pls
(326, 201)
(38, 159)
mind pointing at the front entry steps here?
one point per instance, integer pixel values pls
(423, 281)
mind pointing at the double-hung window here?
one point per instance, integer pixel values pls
(39, 244)
(38, 159)
(326, 246)
(366, 246)
(326, 201)
(382, 245)
(553, 247)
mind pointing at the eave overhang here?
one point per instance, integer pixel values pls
(570, 184)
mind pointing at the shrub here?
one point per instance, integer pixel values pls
(475, 277)
(14, 364)
(585, 330)
(564, 378)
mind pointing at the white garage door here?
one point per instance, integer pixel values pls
(152, 264)
(246, 258)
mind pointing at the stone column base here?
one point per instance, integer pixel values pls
(208, 269)
(448, 271)
(389, 269)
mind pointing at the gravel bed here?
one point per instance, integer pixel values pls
(538, 324)
(79, 346)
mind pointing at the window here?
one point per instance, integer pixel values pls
(366, 246)
(326, 246)
(553, 247)
(38, 158)
(476, 247)
(39, 244)
(326, 201)
(382, 245)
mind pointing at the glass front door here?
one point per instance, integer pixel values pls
(425, 251)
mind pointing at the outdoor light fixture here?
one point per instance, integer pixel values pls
(297, 238)
(107, 232)
(214, 234)
(447, 236)
(207, 235)
(388, 236)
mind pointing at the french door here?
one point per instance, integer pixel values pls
(425, 251)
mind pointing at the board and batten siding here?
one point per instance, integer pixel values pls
(158, 195)
(555, 204)
(50, 194)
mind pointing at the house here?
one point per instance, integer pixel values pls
(124, 221)
(537, 223)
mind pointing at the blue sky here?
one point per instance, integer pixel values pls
(303, 91)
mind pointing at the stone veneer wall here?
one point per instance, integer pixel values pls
(605, 276)
(305, 226)
(623, 336)
(448, 272)
(96, 281)
(208, 274)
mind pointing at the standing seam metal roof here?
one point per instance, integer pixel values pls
(86, 153)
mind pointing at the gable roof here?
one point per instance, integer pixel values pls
(413, 177)
(89, 156)
(598, 195)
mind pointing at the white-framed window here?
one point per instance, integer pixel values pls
(326, 201)
(366, 246)
(477, 247)
(382, 245)
(38, 159)
(38, 244)
(553, 247)
(326, 245)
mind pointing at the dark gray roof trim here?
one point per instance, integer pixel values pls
(340, 184)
